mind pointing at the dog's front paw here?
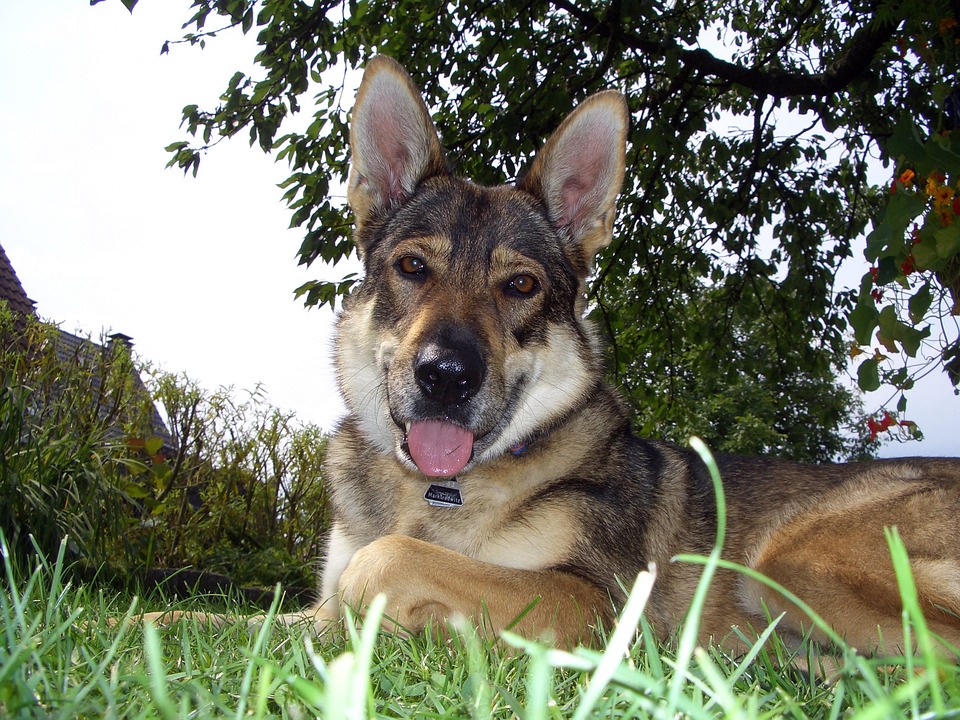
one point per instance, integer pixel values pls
(399, 567)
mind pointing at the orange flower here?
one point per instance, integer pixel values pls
(906, 177)
(943, 196)
(943, 204)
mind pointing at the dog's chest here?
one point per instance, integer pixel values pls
(496, 523)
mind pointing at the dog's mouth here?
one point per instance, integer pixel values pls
(438, 448)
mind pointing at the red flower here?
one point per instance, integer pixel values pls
(907, 266)
(877, 426)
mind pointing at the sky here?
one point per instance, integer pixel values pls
(199, 271)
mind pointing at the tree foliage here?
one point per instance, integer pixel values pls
(755, 129)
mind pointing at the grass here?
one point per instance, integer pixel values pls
(60, 658)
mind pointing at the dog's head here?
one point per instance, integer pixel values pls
(466, 336)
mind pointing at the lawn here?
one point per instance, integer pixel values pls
(60, 658)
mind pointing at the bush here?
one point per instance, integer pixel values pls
(61, 455)
(242, 491)
(234, 487)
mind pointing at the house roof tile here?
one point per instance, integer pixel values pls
(10, 288)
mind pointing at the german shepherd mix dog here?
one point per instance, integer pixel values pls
(485, 465)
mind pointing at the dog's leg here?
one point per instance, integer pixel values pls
(426, 584)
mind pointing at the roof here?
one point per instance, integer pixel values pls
(11, 290)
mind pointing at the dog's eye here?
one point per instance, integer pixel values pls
(411, 265)
(523, 285)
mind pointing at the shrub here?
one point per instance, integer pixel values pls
(242, 493)
(61, 454)
(235, 487)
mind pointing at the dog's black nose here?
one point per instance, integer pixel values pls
(449, 375)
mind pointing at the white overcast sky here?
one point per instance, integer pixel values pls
(199, 271)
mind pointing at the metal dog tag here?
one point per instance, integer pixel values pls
(444, 493)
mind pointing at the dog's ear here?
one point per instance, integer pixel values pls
(579, 172)
(393, 141)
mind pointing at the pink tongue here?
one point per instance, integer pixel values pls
(439, 449)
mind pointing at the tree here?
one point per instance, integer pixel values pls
(755, 127)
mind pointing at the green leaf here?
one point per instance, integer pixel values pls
(947, 240)
(905, 141)
(868, 375)
(863, 320)
(911, 338)
(161, 476)
(889, 232)
(135, 491)
(920, 303)
(926, 257)
(153, 445)
(951, 363)
(926, 156)
(888, 270)
(892, 331)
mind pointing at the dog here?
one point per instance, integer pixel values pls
(485, 469)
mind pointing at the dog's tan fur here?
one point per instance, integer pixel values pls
(471, 318)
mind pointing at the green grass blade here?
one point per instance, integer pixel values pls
(619, 643)
(157, 674)
(912, 610)
(262, 634)
(691, 630)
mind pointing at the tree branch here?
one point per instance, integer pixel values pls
(860, 51)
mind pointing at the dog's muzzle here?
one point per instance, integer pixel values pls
(448, 376)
